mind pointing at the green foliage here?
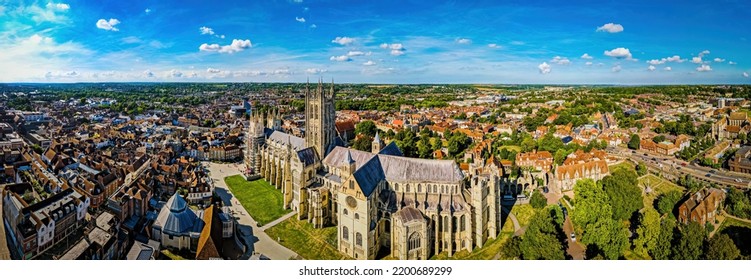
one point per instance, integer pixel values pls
(690, 242)
(641, 169)
(542, 239)
(363, 143)
(634, 142)
(512, 248)
(648, 232)
(663, 248)
(658, 138)
(593, 214)
(458, 143)
(665, 203)
(721, 247)
(625, 195)
(591, 203)
(538, 201)
(737, 203)
(366, 127)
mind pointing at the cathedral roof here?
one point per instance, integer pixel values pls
(391, 149)
(284, 138)
(175, 217)
(408, 214)
(307, 156)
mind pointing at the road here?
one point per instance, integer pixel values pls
(575, 249)
(259, 241)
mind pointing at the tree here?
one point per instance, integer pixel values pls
(737, 203)
(538, 201)
(623, 192)
(435, 143)
(458, 143)
(648, 232)
(658, 138)
(690, 242)
(367, 127)
(666, 202)
(593, 214)
(663, 248)
(721, 247)
(641, 169)
(512, 248)
(541, 239)
(634, 142)
(363, 143)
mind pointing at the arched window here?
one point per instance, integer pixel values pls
(453, 224)
(464, 223)
(414, 241)
(358, 239)
(357, 216)
(346, 212)
(396, 186)
(345, 233)
(351, 184)
(419, 188)
(408, 188)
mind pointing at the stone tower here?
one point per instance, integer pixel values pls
(320, 116)
(255, 142)
(377, 144)
(274, 119)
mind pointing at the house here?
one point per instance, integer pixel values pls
(701, 207)
(542, 160)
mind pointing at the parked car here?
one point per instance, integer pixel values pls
(573, 237)
(683, 163)
(708, 175)
(713, 171)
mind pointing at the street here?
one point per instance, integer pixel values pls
(259, 241)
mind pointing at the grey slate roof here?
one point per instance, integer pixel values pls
(307, 156)
(408, 214)
(391, 149)
(278, 136)
(369, 175)
(175, 217)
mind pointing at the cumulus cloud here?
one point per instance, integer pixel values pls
(619, 53)
(397, 49)
(586, 56)
(674, 58)
(732, 62)
(61, 75)
(108, 24)
(213, 70)
(668, 68)
(745, 74)
(236, 46)
(560, 60)
(463, 41)
(703, 53)
(58, 6)
(369, 63)
(616, 69)
(610, 28)
(397, 52)
(343, 40)
(544, 68)
(340, 58)
(355, 53)
(147, 11)
(651, 68)
(206, 30)
(148, 74)
(313, 26)
(704, 68)
(588, 63)
(655, 61)
(315, 70)
(717, 59)
(174, 74)
(300, 19)
(493, 46)
(697, 60)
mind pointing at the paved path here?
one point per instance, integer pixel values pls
(511, 216)
(4, 251)
(275, 222)
(575, 249)
(256, 240)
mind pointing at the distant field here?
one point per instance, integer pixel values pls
(262, 201)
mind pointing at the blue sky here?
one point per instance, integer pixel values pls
(611, 42)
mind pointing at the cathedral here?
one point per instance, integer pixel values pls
(382, 203)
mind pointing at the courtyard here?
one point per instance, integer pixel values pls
(311, 243)
(262, 200)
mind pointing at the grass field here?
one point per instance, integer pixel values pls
(488, 251)
(625, 165)
(523, 214)
(659, 186)
(510, 148)
(730, 221)
(310, 243)
(262, 201)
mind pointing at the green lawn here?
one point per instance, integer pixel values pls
(310, 243)
(488, 251)
(730, 221)
(659, 186)
(510, 148)
(262, 201)
(523, 214)
(623, 165)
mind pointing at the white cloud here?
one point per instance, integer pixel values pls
(343, 40)
(147, 11)
(396, 52)
(355, 53)
(610, 28)
(206, 30)
(213, 70)
(616, 69)
(697, 60)
(588, 63)
(369, 63)
(586, 56)
(732, 62)
(340, 58)
(58, 6)
(148, 74)
(108, 24)
(282, 72)
(463, 41)
(493, 46)
(656, 61)
(668, 68)
(651, 68)
(517, 43)
(703, 53)
(236, 46)
(315, 71)
(619, 53)
(674, 58)
(300, 19)
(131, 40)
(704, 68)
(745, 74)
(717, 59)
(544, 68)
(61, 75)
(173, 74)
(396, 46)
(313, 26)
(560, 60)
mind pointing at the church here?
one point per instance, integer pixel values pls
(383, 204)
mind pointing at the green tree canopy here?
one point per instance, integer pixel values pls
(623, 192)
(690, 242)
(666, 202)
(648, 232)
(663, 248)
(366, 127)
(634, 142)
(541, 239)
(721, 247)
(538, 201)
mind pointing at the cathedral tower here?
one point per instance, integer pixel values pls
(320, 116)
(255, 142)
